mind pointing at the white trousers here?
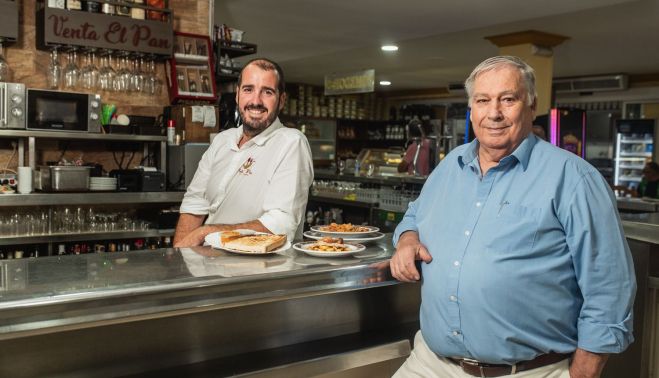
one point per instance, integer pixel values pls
(423, 363)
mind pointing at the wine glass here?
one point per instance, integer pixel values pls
(123, 74)
(54, 70)
(5, 71)
(342, 166)
(370, 169)
(107, 75)
(71, 71)
(89, 71)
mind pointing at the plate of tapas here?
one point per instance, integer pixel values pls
(328, 249)
(345, 229)
(248, 242)
(351, 239)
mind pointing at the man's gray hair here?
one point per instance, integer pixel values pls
(527, 72)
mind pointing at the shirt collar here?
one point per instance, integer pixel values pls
(262, 137)
(522, 153)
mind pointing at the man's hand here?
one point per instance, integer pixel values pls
(586, 364)
(408, 250)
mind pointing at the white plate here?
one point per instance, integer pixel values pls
(371, 229)
(213, 239)
(359, 239)
(354, 248)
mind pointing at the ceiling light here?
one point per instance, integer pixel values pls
(389, 48)
(385, 82)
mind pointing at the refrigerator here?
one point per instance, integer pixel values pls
(634, 146)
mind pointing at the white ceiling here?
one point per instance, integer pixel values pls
(441, 41)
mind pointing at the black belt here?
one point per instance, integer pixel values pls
(481, 369)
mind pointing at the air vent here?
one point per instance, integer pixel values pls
(590, 84)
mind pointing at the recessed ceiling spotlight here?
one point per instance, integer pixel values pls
(385, 82)
(389, 48)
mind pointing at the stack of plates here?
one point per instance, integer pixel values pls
(103, 183)
(370, 234)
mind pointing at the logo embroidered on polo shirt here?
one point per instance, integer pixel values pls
(246, 168)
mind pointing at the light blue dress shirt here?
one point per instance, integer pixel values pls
(527, 260)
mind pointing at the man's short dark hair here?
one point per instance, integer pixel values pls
(266, 65)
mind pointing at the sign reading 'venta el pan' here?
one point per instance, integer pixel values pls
(95, 30)
(353, 82)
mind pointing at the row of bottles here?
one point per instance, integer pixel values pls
(80, 248)
(125, 8)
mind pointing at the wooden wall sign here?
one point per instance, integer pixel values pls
(96, 30)
(8, 20)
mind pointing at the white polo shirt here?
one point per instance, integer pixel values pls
(268, 179)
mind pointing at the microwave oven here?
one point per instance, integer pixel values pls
(12, 106)
(63, 111)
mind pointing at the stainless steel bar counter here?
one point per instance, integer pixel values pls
(185, 312)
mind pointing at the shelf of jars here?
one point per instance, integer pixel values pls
(89, 198)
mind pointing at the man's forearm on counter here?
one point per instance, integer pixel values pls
(186, 224)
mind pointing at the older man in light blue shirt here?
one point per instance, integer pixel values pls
(525, 260)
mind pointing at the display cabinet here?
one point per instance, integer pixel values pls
(191, 70)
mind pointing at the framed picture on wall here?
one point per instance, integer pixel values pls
(191, 70)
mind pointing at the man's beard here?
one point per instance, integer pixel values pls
(253, 128)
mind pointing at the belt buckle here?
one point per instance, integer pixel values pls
(472, 362)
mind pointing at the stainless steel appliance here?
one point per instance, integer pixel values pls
(62, 179)
(182, 162)
(63, 111)
(12, 106)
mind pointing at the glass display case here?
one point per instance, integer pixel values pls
(379, 161)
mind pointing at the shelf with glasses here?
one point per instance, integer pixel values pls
(89, 198)
(83, 236)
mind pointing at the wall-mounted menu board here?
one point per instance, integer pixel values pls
(8, 20)
(96, 30)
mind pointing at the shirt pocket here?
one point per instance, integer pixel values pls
(511, 229)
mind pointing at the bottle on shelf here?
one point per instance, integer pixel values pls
(108, 9)
(123, 10)
(61, 4)
(91, 6)
(138, 13)
(74, 4)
